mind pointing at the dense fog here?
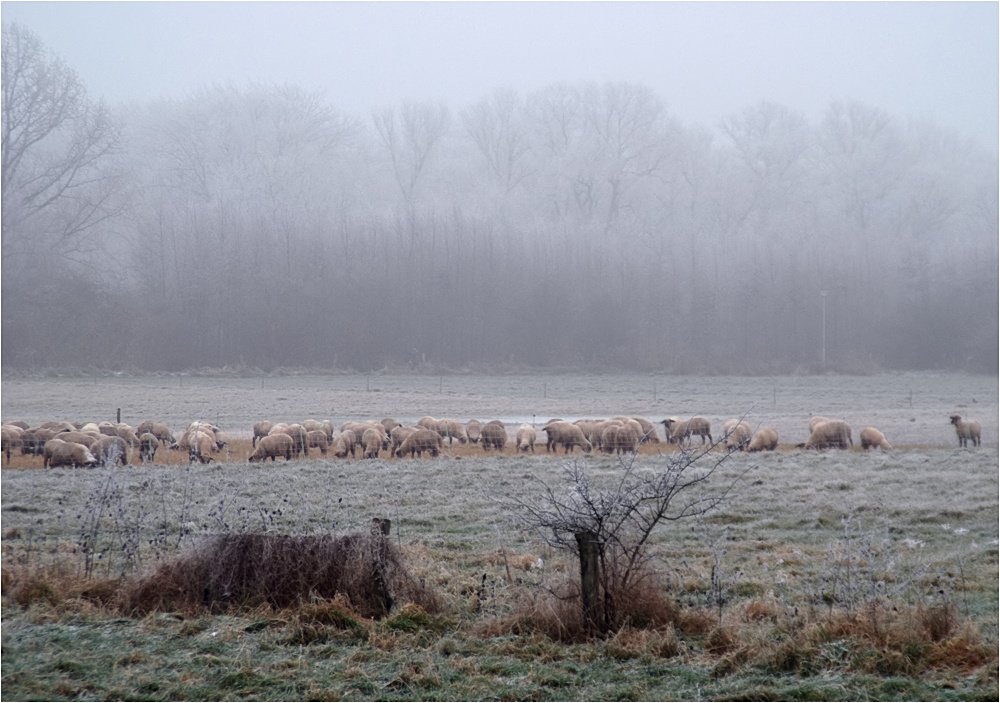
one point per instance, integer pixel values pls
(579, 225)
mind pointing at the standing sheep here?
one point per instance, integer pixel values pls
(766, 439)
(526, 438)
(347, 442)
(371, 440)
(71, 454)
(11, 439)
(871, 438)
(566, 434)
(452, 430)
(261, 429)
(148, 444)
(493, 436)
(472, 430)
(110, 449)
(966, 430)
(317, 439)
(679, 430)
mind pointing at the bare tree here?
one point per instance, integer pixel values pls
(495, 125)
(410, 136)
(57, 177)
(609, 527)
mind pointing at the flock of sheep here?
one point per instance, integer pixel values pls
(90, 444)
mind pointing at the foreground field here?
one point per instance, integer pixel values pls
(801, 586)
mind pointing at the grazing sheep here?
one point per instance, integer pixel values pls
(84, 438)
(316, 439)
(48, 449)
(271, 447)
(526, 438)
(738, 433)
(493, 436)
(71, 454)
(346, 443)
(389, 424)
(110, 449)
(159, 429)
(452, 430)
(148, 444)
(198, 444)
(57, 426)
(33, 440)
(398, 435)
(620, 439)
(420, 441)
(966, 430)
(428, 423)
(472, 430)
(816, 420)
(766, 439)
(214, 433)
(327, 427)
(679, 430)
(566, 434)
(108, 428)
(312, 425)
(359, 429)
(871, 438)
(832, 434)
(261, 429)
(20, 424)
(371, 440)
(11, 439)
(128, 434)
(90, 428)
(300, 443)
(648, 431)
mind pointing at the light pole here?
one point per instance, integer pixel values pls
(822, 294)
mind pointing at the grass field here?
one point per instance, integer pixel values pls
(824, 575)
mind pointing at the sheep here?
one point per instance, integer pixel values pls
(371, 440)
(472, 430)
(766, 439)
(619, 438)
(48, 449)
(33, 440)
(214, 432)
(738, 433)
(327, 427)
(11, 439)
(390, 423)
(317, 439)
(871, 438)
(679, 430)
(648, 431)
(311, 425)
(832, 434)
(359, 429)
(128, 434)
(566, 434)
(420, 441)
(148, 444)
(71, 454)
(198, 444)
(110, 449)
(428, 423)
(90, 428)
(493, 435)
(452, 430)
(108, 428)
(346, 442)
(261, 429)
(300, 443)
(271, 447)
(966, 430)
(526, 438)
(398, 434)
(20, 424)
(57, 426)
(84, 438)
(816, 420)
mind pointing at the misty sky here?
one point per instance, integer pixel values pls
(705, 60)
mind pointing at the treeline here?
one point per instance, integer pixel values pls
(573, 226)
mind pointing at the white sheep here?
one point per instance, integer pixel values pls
(966, 430)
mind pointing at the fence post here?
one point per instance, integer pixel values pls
(590, 581)
(380, 530)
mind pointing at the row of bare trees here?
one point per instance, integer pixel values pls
(576, 225)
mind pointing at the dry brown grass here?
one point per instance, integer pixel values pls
(245, 571)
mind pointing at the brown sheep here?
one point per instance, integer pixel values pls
(11, 438)
(871, 438)
(420, 441)
(566, 434)
(71, 454)
(452, 430)
(398, 435)
(316, 439)
(300, 443)
(680, 430)
(648, 431)
(526, 438)
(48, 449)
(312, 425)
(620, 439)
(198, 444)
(389, 424)
(346, 443)
(493, 435)
(33, 440)
(832, 434)
(148, 444)
(271, 447)
(84, 438)
(472, 430)
(766, 439)
(738, 433)
(110, 449)
(967, 430)
(428, 423)
(20, 424)
(261, 429)
(371, 440)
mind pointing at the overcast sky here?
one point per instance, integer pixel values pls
(705, 60)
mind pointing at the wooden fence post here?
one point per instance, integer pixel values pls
(380, 530)
(590, 581)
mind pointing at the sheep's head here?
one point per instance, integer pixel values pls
(955, 419)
